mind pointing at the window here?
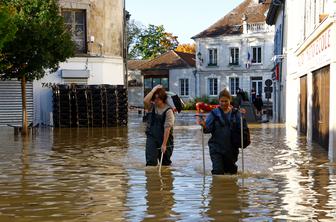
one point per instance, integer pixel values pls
(234, 56)
(234, 85)
(164, 82)
(256, 54)
(150, 83)
(212, 57)
(213, 86)
(184, 87)
(257, 84)
(75, 21)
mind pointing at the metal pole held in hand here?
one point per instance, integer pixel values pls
(242, 140)
(161, 161)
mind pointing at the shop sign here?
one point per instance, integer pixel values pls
(318, 52)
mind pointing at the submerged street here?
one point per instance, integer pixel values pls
(100, 175)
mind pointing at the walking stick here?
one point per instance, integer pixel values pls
(203, 150)
(242, 140)
(160, 162)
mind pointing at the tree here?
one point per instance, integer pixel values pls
(134, 30)
(154, 41)
(187, 47)
(40, 43)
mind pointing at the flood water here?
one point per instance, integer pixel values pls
(99, 175)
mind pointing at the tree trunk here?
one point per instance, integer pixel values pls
(24, 130)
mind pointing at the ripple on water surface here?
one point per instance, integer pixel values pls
(99, 175)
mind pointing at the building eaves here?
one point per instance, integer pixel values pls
(231, 23)
(273, 11)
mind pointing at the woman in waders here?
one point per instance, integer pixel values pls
(223, 155)
(159, 129)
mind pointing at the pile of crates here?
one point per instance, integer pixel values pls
(89, 106)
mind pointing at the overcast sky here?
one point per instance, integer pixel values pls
(183, 18)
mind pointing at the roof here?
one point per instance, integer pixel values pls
(171, 59)
(231, 23)
(135, 64)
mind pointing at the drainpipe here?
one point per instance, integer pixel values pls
(195, 76)
(281, 64)
(124, 43)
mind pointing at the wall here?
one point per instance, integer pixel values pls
(104, 22)
(223, 71)
(174, 83)
(102, 71)
(104, 19)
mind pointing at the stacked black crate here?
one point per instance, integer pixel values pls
(82, 102)
(65, 106)
(97, 108)
(56, 106)
(89, 106)
(104, 105)
(74, 106)
(111, 106)
(122, 102)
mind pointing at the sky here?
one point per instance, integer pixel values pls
(183, 18)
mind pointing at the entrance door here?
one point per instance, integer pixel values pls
(303, 105)
(256, 83)
(321, 84)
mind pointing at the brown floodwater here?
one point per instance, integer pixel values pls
(99, 175)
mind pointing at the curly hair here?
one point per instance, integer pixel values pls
(161, 94)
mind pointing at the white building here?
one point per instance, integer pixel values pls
(236, 51)
(97, 28)
(309, 64)
(175, 71)
(275, 17)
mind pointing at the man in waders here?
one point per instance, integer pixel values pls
(223, 155)
(159, 131)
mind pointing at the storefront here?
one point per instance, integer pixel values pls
(316, 79)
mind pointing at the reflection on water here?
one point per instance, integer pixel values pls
(99, 175)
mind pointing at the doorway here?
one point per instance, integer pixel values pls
(257, 84)
(321, 91)
(303, 104)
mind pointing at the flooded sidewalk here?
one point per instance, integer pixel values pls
(100, 175)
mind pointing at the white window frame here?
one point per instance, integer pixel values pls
(212, 88)
(184, 88)
(257, 57)
(79, 40)
(235, 59)
(235, 86)
(213, 56)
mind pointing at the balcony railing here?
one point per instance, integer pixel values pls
(259, 27)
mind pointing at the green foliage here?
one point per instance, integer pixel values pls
(152, 42)
(7, 26)
(134, 30)
(40, 43)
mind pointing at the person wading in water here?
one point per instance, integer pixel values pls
(159, 131)
(223, 155)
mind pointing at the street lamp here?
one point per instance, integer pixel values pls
(199, 56)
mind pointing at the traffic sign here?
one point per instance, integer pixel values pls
(268, 82)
